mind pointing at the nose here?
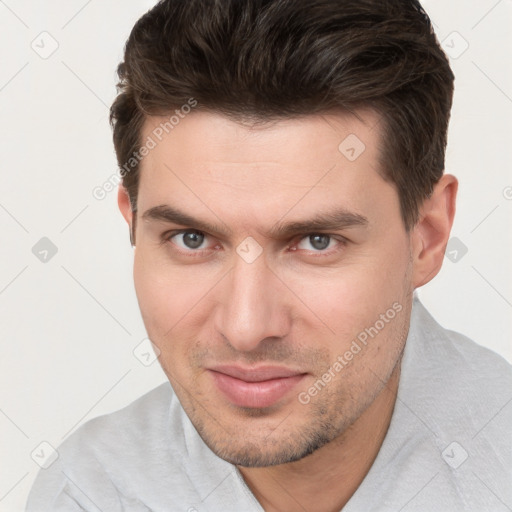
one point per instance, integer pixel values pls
(252, 305)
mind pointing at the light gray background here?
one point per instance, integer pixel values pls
(69, 325)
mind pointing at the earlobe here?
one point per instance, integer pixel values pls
(432, 231)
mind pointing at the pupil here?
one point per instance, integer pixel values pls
(193, 240)
(319, 241)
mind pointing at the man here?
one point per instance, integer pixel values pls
(283, 183)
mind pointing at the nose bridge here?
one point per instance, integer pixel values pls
(249, 309)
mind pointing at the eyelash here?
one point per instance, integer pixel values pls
(167, 238)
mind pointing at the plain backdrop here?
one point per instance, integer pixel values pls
(70, 323)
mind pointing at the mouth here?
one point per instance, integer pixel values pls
(255, 387)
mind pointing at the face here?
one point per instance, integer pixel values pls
(273, 273)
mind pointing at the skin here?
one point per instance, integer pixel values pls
(297, 304)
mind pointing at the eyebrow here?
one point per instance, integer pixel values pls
(327, 221)
(166, 213)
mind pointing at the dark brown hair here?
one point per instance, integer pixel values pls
(269, 59)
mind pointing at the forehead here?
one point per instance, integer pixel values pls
(217, 138)
(209, 162)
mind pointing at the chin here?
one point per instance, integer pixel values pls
(265, 451)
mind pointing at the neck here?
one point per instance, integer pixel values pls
(325, 480)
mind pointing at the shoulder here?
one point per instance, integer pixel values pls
(457, 356)
(134, 433)
(477, 357)
(450, 427)
(463, 393)
(102, 460)
(144, 419)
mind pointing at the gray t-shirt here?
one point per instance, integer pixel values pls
(448, 447)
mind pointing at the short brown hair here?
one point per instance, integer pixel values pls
(272, 59)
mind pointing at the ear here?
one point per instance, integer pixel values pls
(125, 207)
(432, 231)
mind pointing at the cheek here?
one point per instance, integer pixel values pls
(344, 301)
(166, 305)
(162, 294)
(175, 301)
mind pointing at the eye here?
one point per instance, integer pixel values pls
(188, 240)
(317, 242)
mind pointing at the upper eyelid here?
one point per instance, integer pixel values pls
(300, 236)
(338, 238)
(173, 232)
(168, 235)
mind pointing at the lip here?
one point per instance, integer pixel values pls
(255, 387)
